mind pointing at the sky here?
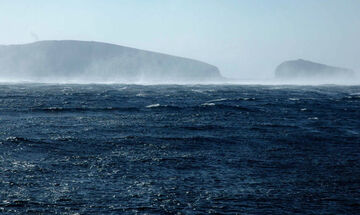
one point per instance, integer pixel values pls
(245, 39)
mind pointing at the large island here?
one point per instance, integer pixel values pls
(307, 70)
(68, 60)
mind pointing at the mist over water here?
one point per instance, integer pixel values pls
(95, 62)
(223, 81)
(70, 61)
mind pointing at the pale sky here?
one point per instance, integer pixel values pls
(244, 38)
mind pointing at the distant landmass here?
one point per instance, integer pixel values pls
(307, 70)
(70, 60)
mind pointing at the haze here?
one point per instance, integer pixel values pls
(244, 39)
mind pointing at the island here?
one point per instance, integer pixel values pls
(85, 61)
(308, 70)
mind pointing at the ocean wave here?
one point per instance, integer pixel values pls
(355, 94)
(208, 104)
(140, 95)
(219, 100)
(277, 125)
(247, 99)
(202, 127)
(18, 140)
(313, 118)
(231, 100)
(225, 106)
(352, 97)
(84, 109)
(294, 99)
(15, 139)
(205, 105)
(202, 139)
(203, 91)
(166, 107)
(153, 106)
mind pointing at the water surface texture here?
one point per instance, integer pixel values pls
(127, 149)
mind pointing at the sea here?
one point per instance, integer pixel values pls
(179, 149)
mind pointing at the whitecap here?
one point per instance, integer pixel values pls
(11, 138)
(203, 91)
(55, 108)
(246, 99)
(219, 100)
(153, 106)
(208, 104)
(197, 91)
(313, 118)
(140, 95)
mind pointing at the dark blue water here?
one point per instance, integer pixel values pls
(127, 149)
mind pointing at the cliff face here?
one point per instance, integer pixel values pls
(302, 69)
(98, 62)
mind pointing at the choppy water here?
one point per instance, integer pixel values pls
(127, 149)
